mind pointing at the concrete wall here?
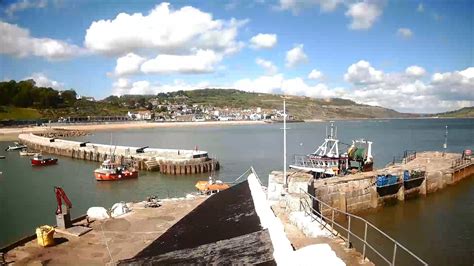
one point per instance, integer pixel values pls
(358, 193)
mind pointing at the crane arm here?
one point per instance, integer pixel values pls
(61, 195)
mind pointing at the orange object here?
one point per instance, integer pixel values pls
(208, 186)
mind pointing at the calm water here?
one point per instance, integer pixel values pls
(438, 227)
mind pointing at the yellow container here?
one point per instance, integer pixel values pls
(45, 235)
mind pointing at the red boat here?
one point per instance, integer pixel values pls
(109, 171)
(39, 160)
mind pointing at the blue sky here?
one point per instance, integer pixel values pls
(411, 56)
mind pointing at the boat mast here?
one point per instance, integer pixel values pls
(445, 145)
(284, 144)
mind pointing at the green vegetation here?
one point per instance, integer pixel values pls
(18, 113)
(466, 112)
(25, 101)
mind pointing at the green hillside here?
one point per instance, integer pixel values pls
(466, 112)
(18, 113)
(300, 107)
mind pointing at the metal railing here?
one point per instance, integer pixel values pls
(461, 162)
(348, 231)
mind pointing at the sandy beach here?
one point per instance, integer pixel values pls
(12, 133)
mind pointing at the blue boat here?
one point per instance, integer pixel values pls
(387, 184)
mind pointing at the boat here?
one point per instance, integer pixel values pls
(110, 171)
(388, 184)
(413, 178)
(25, 152)
(15, 147)
(2, 157)
(328, 161)
(211, 186)
(39, 160)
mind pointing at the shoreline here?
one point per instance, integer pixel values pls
(7, 134)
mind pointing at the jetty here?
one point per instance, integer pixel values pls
(166, 161)
(359, 192)
(335, 201)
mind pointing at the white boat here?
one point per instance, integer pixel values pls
(327, 160)
(16, 147)
(25, 152)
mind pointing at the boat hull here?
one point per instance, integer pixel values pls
(15, 148)
(44, 162)
(113, 177)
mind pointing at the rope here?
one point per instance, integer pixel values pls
(106, 244)
(243, 174)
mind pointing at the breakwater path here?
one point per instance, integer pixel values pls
(166, 161)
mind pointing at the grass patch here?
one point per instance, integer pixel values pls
(18, 113)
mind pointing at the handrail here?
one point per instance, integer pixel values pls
(305, 205)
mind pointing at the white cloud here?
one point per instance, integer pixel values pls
(202, 61)
(269, 67)
(407, 93)
(362, 73)
(315, 74)
(297, 5)
(128, 64)
(144, 87)
(42, 80)
(415, 71)
(265, 84)
(404, 33)
(295, 86)
(262, 40)
(164, 30)
(17, 42)
(420, 7)
(363, 14)
(456, 85)
(296, 56)
(24, 4)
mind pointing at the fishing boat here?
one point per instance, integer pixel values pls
(15, 147)
(25, 152)
(211, 186)
(110, 171)
(328, 161)
(39, 160)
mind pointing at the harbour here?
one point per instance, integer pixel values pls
(227, 172)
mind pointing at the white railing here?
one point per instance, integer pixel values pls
(349, 233)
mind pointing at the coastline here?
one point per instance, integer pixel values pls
(8, 134)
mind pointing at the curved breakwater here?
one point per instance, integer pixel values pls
(166, 161)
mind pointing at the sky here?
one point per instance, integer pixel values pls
(407, 55)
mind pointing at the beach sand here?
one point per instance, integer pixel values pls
(7, 134)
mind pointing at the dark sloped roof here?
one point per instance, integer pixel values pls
(226, 215)
(250, 249)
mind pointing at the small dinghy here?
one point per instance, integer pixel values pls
(15, 147)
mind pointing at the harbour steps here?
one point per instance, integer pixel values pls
(166, 161)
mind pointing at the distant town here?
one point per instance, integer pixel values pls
(158, 111)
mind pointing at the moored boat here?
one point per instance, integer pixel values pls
(110, 171)
(211, 186)
(25, 152)
(328, 160)
(15, 147)
(39, 160)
